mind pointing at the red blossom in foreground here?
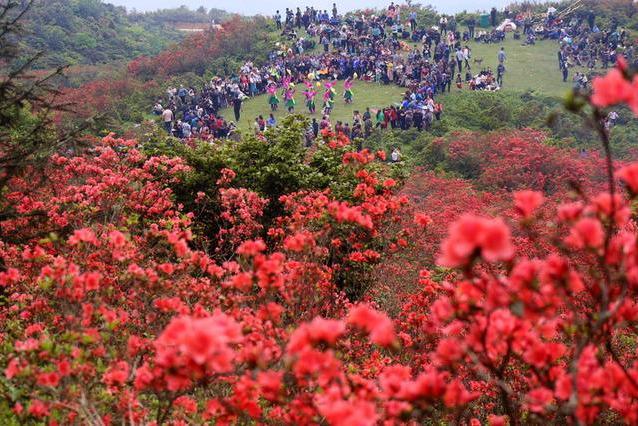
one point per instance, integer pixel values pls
(612, 89)
(349, 413)
(629, 175)
(191, 348)
(376, 323)
(526, 202)
(320, 330)
(586, 233)
(472, 237)
(422, 219)
(115, 314)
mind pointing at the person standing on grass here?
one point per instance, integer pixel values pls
(471, 24)
(273, 100)
(289, 98)
(565, 71)
(310, 94)
(612, 117)
(452, 66)
(380, 118)
(348, 95)
(355, 133)
(328, 104)
(452, 24)
(237, 101)
(443, 24)
(367, 114)
(467, 54)
(346, 131)
(298, 19)
(367, 126)
(288, 17)
(459, 58)
(501, 55)
(413, 20)
(500, 70)
(438, 110)
(309, 136)
(278, 20)
(326, 43)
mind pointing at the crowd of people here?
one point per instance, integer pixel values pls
(377, 48)
(391, 47)
(584, 44)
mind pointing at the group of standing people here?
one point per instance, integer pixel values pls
(582, 43)
(369, 47)
(187, 113)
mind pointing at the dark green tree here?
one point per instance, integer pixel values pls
(27, 103)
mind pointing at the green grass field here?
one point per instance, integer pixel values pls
(527, 68)
(366, 95)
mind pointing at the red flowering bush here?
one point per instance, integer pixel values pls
(515, 160)
(114, 312)
(105, 291)
(195, 53)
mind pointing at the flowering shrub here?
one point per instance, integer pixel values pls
(115, 313)
(105, 291)
(514, 160)
(194, 54)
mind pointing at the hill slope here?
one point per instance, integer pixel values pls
(89, 32)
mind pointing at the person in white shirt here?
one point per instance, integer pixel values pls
(466, 57)
(611, 120)
(443, 25)
(167, 117)
(395, 156)
(459, 58)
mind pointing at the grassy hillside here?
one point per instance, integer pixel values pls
(90, 32)
(529, 68)
(366, 95)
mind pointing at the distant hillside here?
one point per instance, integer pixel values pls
(90, 32)
(181, 15)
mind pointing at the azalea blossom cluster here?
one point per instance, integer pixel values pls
(114, 314)
(113, 295)
(619, 86)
